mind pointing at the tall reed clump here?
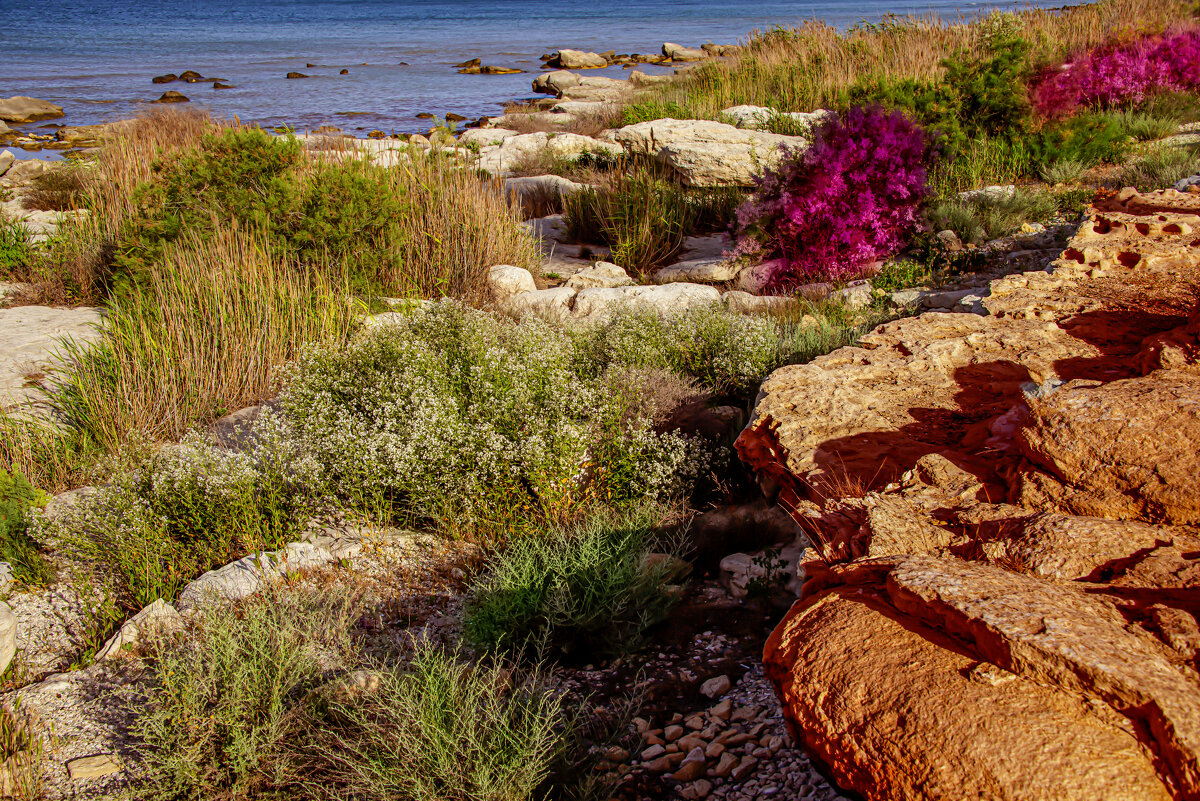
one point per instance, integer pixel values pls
(203, 334)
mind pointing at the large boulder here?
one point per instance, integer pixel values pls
(517, 150)
(706, 153)
(600, 303)
(1000, 598)
(28, 109)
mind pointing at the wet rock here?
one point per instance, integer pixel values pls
(172, 96)
(168, 78)
(20, 108)
(680, 53)
(577, 60)
(555, 83)
(295, 75)
(191, 76)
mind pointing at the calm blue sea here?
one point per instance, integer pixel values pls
(96, 58)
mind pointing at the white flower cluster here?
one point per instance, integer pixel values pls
(462, 418)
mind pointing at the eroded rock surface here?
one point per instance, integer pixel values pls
(1002, 597)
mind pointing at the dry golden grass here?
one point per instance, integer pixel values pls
(811, 66)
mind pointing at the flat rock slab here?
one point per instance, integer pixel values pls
(30, 338)
(93, 767)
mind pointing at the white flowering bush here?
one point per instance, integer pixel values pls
(466, 421)
(724, 351)
(189, 508)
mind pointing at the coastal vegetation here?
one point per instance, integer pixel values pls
(305, 348)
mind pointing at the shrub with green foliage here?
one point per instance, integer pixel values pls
(440, 729)
(988, 216)
(190, 508)
(219, 718)
(592, 589)
(17, 547)
(465, 421)
(1161, 168)
(16, 253)
(340, 213)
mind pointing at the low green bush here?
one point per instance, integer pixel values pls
(188, 508)
(16, 252)
(649, 110)
(900, 274)
(1066, 171)
(221, 715)
(1160, 168)
(17, 547)
(989, 217)
(592, 589)
(438, 729)
(725, 353)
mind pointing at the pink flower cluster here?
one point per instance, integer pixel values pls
(1121, 73)
(848, 201)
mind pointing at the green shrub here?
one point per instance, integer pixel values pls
(589, 590)
(1146, 126)
(724, 352)
(1066, 171)
(220, 718)
(989, 217)
(1089, 139)
(900, 274)
(16, 252)
(1161, 168)
(17, 498)
(468, 422)
(190, 508)
(438, 730)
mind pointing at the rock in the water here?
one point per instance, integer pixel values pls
(295, 75)
(168, 78)
(555, 83)
(28, 109)
(172, 96)
(680, 53)
(577, 60)
(191, 76)
(706, 153)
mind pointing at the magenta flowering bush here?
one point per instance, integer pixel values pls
(1121, 73)
(831, 211)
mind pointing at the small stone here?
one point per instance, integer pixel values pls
(93, 767)
(690, 742)
(725, 765)
(653, 752)
(641, 725)
(716, 687)
(744, 768)
(664, 763)
(697, 789)
(673, 733)
(744, 713)
(695, 723)
(714, 750)
(721, 710)
(616, 754)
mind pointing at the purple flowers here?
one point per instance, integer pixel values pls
(848, 201)
(1121, 73)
